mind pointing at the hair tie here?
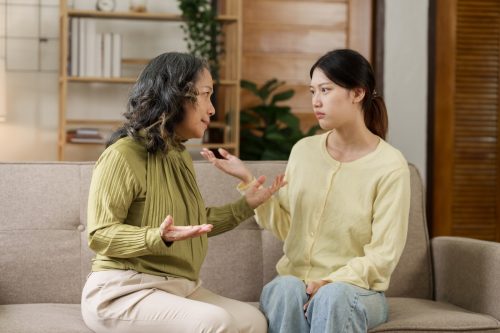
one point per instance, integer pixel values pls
(375, 94)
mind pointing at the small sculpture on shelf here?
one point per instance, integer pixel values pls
(138, 6)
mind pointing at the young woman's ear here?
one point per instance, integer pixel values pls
(358, 95)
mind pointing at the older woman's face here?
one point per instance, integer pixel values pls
(197, 115)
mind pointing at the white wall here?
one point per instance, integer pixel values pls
(405, 77)
(30, 130)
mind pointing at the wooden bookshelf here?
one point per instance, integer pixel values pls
(226, 120)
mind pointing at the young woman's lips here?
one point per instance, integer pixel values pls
(319, 115)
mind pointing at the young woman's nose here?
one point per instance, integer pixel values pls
(316, 101)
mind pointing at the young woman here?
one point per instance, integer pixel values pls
(343, 215)
(147, 221)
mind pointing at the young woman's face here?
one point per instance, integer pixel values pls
(333, 105)
(197, 115)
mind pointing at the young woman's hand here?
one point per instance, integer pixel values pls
(311, 289)
(258, 194)
(230, 164)
(171, 233)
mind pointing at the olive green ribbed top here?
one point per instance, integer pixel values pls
(131, 193)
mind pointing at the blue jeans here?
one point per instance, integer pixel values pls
(337, 307)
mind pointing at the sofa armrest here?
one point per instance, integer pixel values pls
(467, 273)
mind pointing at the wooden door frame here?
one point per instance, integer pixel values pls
(441, 92)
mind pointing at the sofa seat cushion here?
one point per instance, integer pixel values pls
(420, 315)
(42, 318)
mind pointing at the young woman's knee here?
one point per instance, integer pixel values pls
(285, 285)
(335, 293)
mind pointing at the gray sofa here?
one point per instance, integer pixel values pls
(449, 284)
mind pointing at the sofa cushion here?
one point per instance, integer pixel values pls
(40, 233)
(419, 315)
(42, 318)
(235, 249)
(413, 275)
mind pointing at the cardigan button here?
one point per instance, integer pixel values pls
(80, 227)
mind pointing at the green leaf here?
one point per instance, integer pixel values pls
(268, 88)
(275, 136)
(248, 85)
(248, 118)
(274, 155)
(282, 96)
(290, 120)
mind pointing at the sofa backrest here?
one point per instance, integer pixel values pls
(43, 247)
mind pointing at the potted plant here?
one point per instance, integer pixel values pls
(203, 31)
(269, 130)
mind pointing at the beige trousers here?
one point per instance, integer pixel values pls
(128, 301)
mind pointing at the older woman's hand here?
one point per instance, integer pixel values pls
(171, 233)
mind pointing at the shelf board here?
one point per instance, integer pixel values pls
(227, 18)
(213, 145)
(86, 143)
(217, 124)
(147, 16)
(91, 79)
(135, 61)
(228, 82)
(95, 79)
(125, 15)
(93, 122)
(203, 145)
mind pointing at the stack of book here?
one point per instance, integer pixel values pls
(84, 135)
(93, 54)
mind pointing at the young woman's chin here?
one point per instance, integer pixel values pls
(325, 126)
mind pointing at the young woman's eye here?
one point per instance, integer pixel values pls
(324, 90)
(312, 92)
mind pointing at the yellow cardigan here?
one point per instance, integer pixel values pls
(341, 221)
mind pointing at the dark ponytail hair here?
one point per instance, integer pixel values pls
(350, 70)
(155, 104)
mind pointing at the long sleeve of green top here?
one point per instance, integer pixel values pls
(130, 195)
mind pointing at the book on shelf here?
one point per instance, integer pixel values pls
(81, 47)
(92, 53)
(84, 135)
(116, 58)
(85, 131)
(73, 54)
(106, 54)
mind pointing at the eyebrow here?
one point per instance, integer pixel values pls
(208, 87)
(322, 84)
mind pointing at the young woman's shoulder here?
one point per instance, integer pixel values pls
(391, 156)
(310, 142)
